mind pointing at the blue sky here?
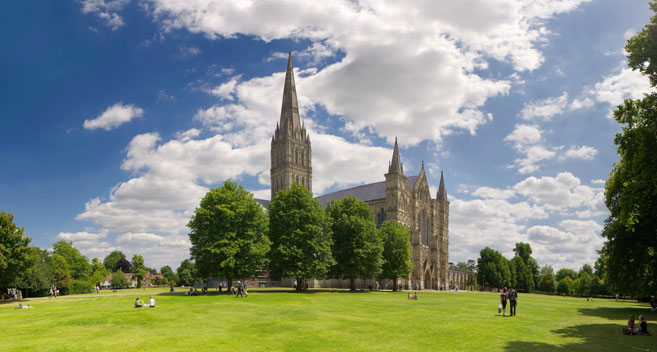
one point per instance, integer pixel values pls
(118, 115)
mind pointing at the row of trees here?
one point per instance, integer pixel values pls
(35, 270)
(232, 237)
(523, 272)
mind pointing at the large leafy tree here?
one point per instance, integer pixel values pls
(98, 272)
(112, 259)
(396, 251)
(15, 252)
(36, 278)
(118, 279)
(630, 249)
(78, 264)
(562, 273)
(493, 269)
(60, 272)
(526, 268)
(357, 245)
(167, 272)
(300, 233)
(229, 234)
(185, 273)
(138, 268)
(124, 265)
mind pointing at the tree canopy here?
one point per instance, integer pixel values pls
(78, 264)
(185, 273)
(15, 252)
(630, 250)
(493, 269)
(300, 233)
(112, 260)
(396, 251)
(357, 245)
(229, 234)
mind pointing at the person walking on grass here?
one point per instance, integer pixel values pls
(513, 301)
(503, 297)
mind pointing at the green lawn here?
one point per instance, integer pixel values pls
(286, 321)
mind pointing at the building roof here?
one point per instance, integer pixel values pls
(263, 202)
(366, 193)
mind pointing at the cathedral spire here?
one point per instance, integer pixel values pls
(290, 109)
(396, 165)
(442, 193)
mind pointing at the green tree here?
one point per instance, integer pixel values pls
(523, 250)
(583, 284)
(60, 272)
(184, 273)
(524, 275)
(396, 251)
(138, 268)
(631, 228)
(36, 279)
(462, 265)
(98, 272)
(562, 273)
(118, 279)
(167, 272)
(300, 233)
(563, 287)
(493, 269)
(229, 234)
(586, 269)
(112, 260)
(78, 264)
(357, 246)
(546, 283)
(15, 252)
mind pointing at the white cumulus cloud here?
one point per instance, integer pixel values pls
(116, 115)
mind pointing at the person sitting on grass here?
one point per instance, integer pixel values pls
(410, 296)
(629, 330)
(415, 298)
(643, 326)
(138, 303)
(151, 302)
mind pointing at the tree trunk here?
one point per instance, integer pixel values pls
(352, 284)
(394, 285)
(299, 285)
(229, 284)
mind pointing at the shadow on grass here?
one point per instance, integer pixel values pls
(619, 313)
(596, 337)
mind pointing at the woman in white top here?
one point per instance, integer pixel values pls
(151, 302)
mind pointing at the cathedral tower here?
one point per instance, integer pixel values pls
(290, 145)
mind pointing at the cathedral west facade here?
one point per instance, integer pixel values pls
(399, 197)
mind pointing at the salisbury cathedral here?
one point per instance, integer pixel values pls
(399, 197)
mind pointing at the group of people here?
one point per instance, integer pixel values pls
(54, 292)
(413, 297)
(632, 330)
(195, 292)
(241, 290)
(140, 304)
(512, 297)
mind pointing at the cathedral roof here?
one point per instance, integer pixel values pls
(366, 193)
(290, 108)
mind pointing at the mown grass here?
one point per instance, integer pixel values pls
(320, 321)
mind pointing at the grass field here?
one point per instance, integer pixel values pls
(320, 321)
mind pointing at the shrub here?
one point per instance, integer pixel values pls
(81, 286)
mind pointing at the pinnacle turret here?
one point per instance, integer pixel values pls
(442, 193)
(396, 165)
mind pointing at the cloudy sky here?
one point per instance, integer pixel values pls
(118, 115)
